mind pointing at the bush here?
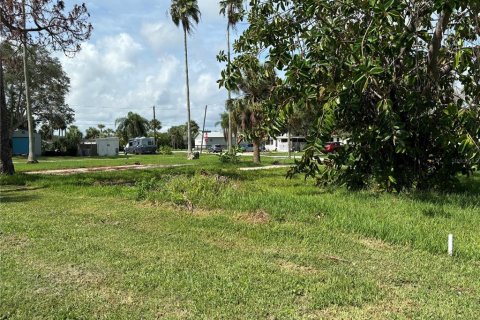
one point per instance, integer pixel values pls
(166, 150)
(229, 157)
(198, 191)
(144, 187)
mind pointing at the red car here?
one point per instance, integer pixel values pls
(331, 147)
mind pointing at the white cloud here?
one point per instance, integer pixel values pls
(162, 36)
(135, 60)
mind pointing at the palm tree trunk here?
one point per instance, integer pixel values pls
(189, 133)
(256, 150)
(229, 141)
(6, 166)
(31, 142)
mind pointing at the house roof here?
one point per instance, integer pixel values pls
(212, 135)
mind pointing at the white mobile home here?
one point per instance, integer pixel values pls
(107, 147)
(210, 139)
(280, 143)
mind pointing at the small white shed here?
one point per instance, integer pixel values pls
(107, 147)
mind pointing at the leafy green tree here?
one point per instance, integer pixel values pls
(49, 85)
(234, 11)
(163, 139)
(255, 83)
(92, 133)
(101, 127)
(155, 124)
(401, 77)
(131, 126)
(72, 140)
(51, 26)
(176, 135)
(109, 132)
(186, 12)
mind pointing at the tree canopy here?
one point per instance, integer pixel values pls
(131, 126)
(49, 86)
(400, 77)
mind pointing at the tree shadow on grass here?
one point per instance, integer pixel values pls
(465, 195)
(13, 197)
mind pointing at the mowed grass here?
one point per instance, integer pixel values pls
(207, 241)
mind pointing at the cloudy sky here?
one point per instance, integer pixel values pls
(134, 60)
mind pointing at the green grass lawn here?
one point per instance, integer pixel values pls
(208, 241)
(54, 163)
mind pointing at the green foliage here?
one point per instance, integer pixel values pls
(49, 85)
(68, 144)
(185, 13)
(189, 191)
(233, 10)
(144, 186)
(408, 98)
(229, 157)
(92, 133)
(165, 150)
(177, 135)
(132, 126)
(253, 109)
(279, 249)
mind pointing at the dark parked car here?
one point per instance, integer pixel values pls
(216, 148)
(331, 147)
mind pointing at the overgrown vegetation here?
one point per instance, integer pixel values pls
(165, 150)
(400, 78)
(229, 157)
(208, 240)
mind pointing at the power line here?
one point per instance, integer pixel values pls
(121, 108)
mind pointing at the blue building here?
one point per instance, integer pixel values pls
(20, 143)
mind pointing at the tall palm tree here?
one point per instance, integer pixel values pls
(132, 126)
(255, 86)
(186, 12)
(233, 10)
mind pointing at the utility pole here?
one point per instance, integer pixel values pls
(203, 129)
(154, 128)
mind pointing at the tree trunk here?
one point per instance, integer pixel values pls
(229, 135)
(6, 165)
(436, 44)
(31, 141)
(256, 150)
(189, 129)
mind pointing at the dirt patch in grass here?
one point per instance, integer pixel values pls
(64, 172)
(375, 244)
(258, 217)
(8, 241)
(296, 268)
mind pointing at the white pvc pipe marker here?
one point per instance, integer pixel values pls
(450, 244)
